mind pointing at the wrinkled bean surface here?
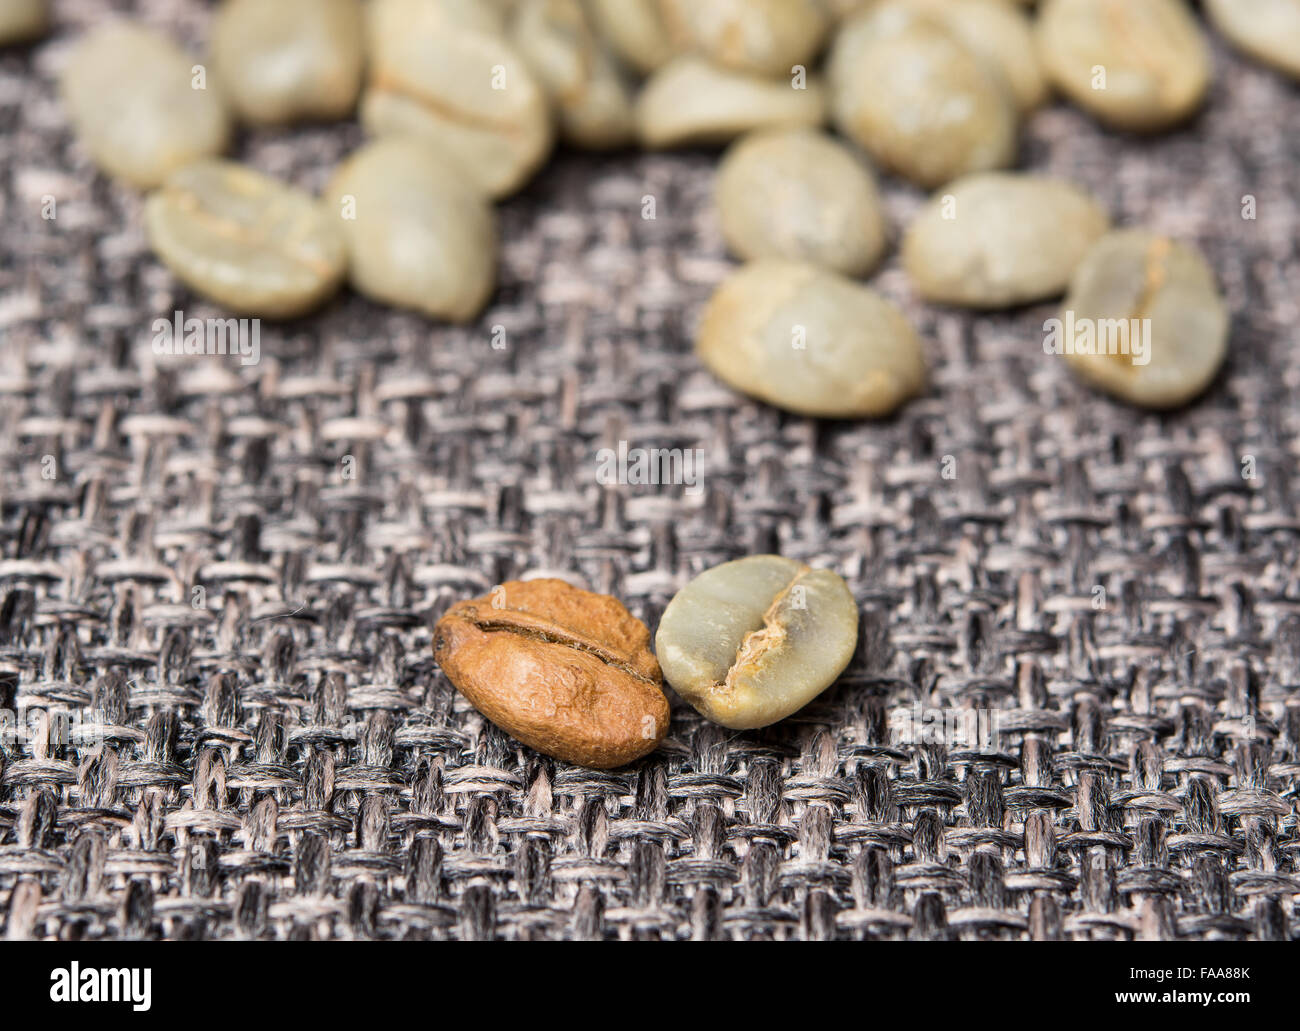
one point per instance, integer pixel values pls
(565, 671)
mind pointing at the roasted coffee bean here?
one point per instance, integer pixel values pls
(22, 21)
(247, 241)
(1267, 30)
(810, 341)
(1141, 65)
(918, 100)
(141, 106)
(289, 60)
(584, 83)
(1144, 320)
(752, 641)
(799, 194)
(419, 234)
(998, 239)
(442, 73)
(689, 101)
(565, 671)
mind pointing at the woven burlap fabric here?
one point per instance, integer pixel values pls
(226, 577)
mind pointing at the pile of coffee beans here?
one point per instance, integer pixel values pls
(465, 100)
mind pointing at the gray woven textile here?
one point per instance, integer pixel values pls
(223, 579)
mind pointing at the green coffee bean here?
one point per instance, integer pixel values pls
(799, 194)
(247, 241)
(23, 20)
(752, 641)
(1143, 320)
(1267, 30)
(419, 234)
(583, 81)
(998, 239)
(689, 101)
(758, 37)
(1000, 35)
(810, 341)
(761, 37)
(443, 74)
(289, 60)
(919, 101)
(635, 31)
(1141, 65)
(141, 106)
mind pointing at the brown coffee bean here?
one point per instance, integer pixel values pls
(565, 671)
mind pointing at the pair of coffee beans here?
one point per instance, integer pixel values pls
(570, 672)
(398, 216)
